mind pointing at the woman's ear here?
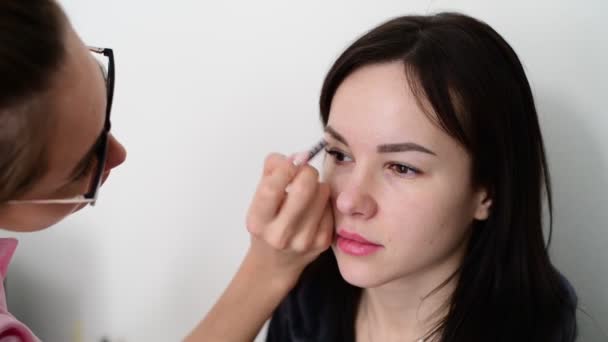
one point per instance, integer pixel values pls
(483, 205)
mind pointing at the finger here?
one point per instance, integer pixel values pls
(326, 234)
(304, 238)
(302, 193)
(278, 161)
(270, 193)
(300, 159)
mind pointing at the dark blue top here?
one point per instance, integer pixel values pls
(322, 308)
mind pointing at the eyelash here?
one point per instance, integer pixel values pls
(336, 155)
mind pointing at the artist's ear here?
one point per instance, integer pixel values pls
(483, 204)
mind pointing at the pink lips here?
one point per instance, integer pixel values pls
(355, 244)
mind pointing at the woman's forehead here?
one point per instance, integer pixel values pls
(376, 103)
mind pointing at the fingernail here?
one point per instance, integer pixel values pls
(300, 158)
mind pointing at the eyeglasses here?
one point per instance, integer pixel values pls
(101, 146)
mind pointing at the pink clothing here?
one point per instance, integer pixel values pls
(11, 330)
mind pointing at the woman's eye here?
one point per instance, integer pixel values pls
(338, 156)
(403, 170)
(86, 170)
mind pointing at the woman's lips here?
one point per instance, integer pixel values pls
(355, 244)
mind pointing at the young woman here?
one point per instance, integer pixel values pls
(436, 172)
(431, 200)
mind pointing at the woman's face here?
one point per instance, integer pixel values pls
(398, 181)
(77, 104)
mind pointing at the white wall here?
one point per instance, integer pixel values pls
(206, 89)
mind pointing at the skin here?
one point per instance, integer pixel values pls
(288, 230)
(77, 102)
(401, 182)
(421, 221)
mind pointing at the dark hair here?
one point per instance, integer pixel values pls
(31, 51)
(468, 79)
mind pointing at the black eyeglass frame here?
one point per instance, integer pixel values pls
(102, 144)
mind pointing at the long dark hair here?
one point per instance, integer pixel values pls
(31, 53)
(464, 71)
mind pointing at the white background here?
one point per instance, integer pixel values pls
(205, 90)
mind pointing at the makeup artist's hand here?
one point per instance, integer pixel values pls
(290, 228)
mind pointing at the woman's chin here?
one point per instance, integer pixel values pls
(359, 275)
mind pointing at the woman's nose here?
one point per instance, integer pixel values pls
(355, 201)
(116, 153)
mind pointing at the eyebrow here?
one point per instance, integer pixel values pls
(404, 147)
(385, 148)
(91, 152)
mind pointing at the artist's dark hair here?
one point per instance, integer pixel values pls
(31, 52)
(472, 83)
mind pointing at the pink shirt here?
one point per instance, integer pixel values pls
(11, 330)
